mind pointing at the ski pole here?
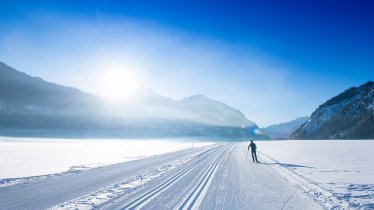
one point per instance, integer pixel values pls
(246, 157)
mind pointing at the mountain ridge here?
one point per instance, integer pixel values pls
(31, 106)
(349, 115)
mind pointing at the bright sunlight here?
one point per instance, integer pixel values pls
(119, 85)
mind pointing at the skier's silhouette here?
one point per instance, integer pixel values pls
(253, 150)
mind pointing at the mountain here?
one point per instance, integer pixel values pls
(213, 112)
(23, 94)
(284, 130)
(349, 115)
(31, 106)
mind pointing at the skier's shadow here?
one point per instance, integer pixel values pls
(286, 165)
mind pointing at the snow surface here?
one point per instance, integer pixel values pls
(218, 178)
(339, 172)
(291, 174)
(21, 157)
(105, 194)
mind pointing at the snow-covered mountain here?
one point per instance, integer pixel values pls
(349, 115)
(31, 106)
(284, 130)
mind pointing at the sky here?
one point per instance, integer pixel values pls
(273, 60)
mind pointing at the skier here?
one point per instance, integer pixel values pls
(253, 150)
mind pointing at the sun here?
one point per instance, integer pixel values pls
(118, 85)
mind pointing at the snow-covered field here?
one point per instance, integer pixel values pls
(107, 193)
(340, 171)
(336, 174)
(34, 157)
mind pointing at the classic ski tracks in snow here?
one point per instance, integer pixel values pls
(193, 199)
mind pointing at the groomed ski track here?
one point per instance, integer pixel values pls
(218, 177)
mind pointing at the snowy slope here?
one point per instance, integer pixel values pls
(349, 115)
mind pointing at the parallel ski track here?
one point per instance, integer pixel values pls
(149, 195)
(190, 200)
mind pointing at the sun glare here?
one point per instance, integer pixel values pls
(118, 85)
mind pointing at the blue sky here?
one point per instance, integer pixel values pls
(273, 60)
